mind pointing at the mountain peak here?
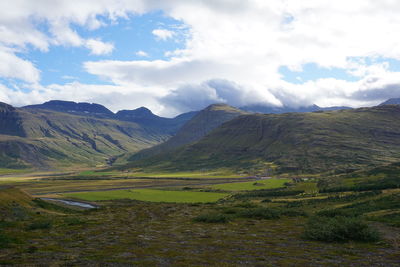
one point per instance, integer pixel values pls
(221, 107)
(74, 108)
(141, 112)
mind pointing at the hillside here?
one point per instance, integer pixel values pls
(47, 139)
(295, 142)
(200, 125)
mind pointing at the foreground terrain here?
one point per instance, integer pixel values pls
(255, 222)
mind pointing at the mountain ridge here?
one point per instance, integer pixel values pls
(142, 115)
(200, 125)
(40, 138)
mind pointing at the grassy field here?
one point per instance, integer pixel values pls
(150, 195)
(261, 184)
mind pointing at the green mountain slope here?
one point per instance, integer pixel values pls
(200, 125)
(48, 139)
(295, 142)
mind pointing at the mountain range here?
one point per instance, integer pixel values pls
(59, 134)
(293, 142)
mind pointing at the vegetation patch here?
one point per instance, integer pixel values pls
(40, 225)
(260, 213)
(74, 221)
(151, 195)
(213, 218)
(339, 229)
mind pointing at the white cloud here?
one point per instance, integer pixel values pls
(98, 47)
(163, 34)
(141, 53)
(14, 67)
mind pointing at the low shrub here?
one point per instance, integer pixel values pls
(38, 225)
(230, 210)
(212, 218)
(339, 229)
(73, 221)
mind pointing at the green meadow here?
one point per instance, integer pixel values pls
(151, 195)
(245, 186)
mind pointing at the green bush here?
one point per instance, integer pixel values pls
(39, 225)
(74, 221)
(339, 229)
(212, 218)
(334, 213)
(260, 213)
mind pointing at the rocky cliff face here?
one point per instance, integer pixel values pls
(10, 121)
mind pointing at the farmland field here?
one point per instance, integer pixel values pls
(150, 195)
(262, 184)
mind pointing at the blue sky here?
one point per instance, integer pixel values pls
(180, 55)
(62, 64)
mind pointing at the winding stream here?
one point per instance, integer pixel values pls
(71, 203)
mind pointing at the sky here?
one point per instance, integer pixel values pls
(174, 56)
